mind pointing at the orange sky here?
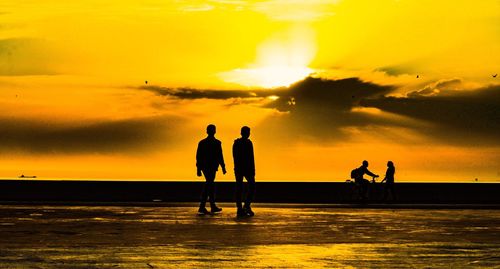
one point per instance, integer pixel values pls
(74, 102)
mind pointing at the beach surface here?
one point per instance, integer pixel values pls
(278, 236)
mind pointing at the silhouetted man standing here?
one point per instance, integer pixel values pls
(244, 167)
(208, 158)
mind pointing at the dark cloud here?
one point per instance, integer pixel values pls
(471, 117)
(342, 94)
(24, 56)
(313, 108)
(328, 95)
(323, 109)
(187, 93)
(130, 135)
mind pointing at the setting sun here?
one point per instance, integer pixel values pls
(280, 61)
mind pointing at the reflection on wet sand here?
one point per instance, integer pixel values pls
(174, 237)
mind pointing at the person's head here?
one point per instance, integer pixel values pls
(365, 163)
(211, 130)
(390, 164)
(245, 131)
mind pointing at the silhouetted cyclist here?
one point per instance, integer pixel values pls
(363, 183)
(208, 158)
(244, 167)
(389, 181)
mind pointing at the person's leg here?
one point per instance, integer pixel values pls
(393, 192)
(239, 190)
(204, 196)
(358, 186)
(251, 190)
(208, 189)
(204, 192)
(364, 188)
(386, 192)
(210, 186)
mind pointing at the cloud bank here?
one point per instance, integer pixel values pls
(323, 109)
(128, 135)
(470, 117)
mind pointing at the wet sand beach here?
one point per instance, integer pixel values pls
(40, 236)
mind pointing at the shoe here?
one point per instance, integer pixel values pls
(249, 211)
(241, 213)
(203, 211)
(215, 209)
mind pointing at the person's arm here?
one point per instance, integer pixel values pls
(198, 160)
(221, 159)
(370, 173)
(235, 155)
(252, 158)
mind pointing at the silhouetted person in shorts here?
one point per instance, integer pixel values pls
(208, 158)
(389, 181)
(244, 167)
(363, 183)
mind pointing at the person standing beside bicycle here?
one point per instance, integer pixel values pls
(389, 182)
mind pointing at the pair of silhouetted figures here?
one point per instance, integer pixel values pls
(363, 184)
(208, 159)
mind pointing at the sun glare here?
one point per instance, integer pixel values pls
(281, 60)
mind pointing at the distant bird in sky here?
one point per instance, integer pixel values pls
(146, 82)
(418, 76)
(495, 75)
